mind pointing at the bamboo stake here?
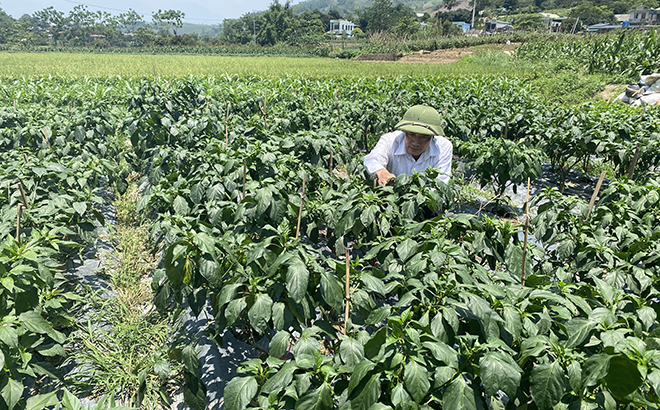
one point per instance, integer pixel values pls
(524, 255)
(348, 289)
(18, 222)
(154, 67)
(331, 161)
(444, 114)
(633, 164)
(14, 103)
(263, 109)
(244, 172)
(595, 194)
(375, 182)
(20, 186)
(302, 201)
(227, 127)
(43, 129)
(366, 143)
(506, 128)
(339, 115)
(25, 158)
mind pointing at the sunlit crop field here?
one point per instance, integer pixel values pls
(16, 65)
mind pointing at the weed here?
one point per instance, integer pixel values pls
(128, 359)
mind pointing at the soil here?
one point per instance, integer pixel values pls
(449, 55)
(611, 91)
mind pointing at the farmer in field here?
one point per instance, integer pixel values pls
(416, 145)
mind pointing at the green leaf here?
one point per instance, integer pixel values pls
(70, 401)
(372, 346)
(9, 336)
(368, 215)
(234, 310)
(647, 316)
(442, 352)
(622, 377)
(499, 371)
(367, 393)
(547, 385)
(190, 360)
(39, 402)
(378, 315)
(360, 371)
(297, 277)
(399, 395)
(406, 249)
(279, 344)
(180, 206)
(594, 369)
(239, 392)
(319, 399)
(332, 291)
(578, 330)
(459, 396)
(416, 380)
(11, 392)
(351, 352)
(34, 322)
(280, 380)
(162, 369)
(259, 313)
(80, 207)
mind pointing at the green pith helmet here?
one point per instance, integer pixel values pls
(421, 119)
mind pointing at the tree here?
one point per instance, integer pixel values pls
(407, 26)
(166, 19)
(590, 14)
(378, 17)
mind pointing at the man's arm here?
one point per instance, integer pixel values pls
(376, 161)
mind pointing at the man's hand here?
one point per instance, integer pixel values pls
(383, 176)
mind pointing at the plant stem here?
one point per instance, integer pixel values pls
(25, 202)
(348, 289)
(524, 255)
(302, 201)
(595, 194)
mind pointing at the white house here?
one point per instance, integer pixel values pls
(641, 15)
(341, 26)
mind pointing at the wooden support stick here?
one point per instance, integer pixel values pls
(264, 108)
(348, 289)
(302, 201)
(25, 202)
(366, 142)
(18, 222)
(593, 197)
(14, 103)
(331, 161)
(633, 164)
(444, 114)
(244, 172)
(339, 115)
(506, 128)
(375, 182)
(25, 158)
(524, 255)
(43, 129)
(227, 127)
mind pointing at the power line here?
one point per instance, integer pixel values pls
(126, 11)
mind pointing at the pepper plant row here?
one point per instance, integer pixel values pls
(439, 313)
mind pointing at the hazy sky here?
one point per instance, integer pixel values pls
(197, 11)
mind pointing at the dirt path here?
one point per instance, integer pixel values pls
(452, 55)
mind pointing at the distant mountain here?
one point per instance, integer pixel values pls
(349, 6)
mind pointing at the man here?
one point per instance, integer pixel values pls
(416, 145)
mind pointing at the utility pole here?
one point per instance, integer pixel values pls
(474, 8)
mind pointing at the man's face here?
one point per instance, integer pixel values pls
(416, 143)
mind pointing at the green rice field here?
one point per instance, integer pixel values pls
(17, 65)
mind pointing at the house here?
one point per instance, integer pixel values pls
(644, 16)
(496, 26)
(341, 26)
(463, 25)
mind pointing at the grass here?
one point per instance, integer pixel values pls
(20, 65)
(124, 349)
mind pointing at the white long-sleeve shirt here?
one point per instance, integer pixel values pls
(390, 153)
